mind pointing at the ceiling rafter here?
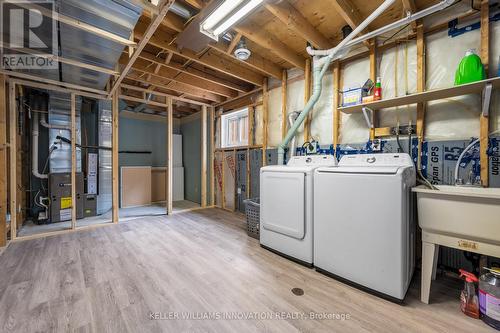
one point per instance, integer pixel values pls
(148, 91)
(236, 39)
(271, 44)
(169, 74)
(350, 14)
(208, 59)
(164, 8)
(181, 87)
(193, 73)
(294, 20)
(176, 86)
(256, 62)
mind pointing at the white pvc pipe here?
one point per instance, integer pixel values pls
(406, 20)
(472, 144)
(44, 123)
(34, 149)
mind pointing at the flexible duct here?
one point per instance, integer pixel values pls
(322, 58)
(320, 67)
(291, 119)
(34, 148)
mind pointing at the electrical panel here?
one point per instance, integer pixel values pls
(61, 204)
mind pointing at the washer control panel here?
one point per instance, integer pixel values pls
(318, 160)
(376, 160)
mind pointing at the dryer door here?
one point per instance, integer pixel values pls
(282, 203)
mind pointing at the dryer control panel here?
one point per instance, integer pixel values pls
(376, 160)
(318, 160)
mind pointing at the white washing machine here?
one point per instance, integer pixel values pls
(364, 231)
(286, 193)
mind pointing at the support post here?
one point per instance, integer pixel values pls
(114, 151)
(204, 144)
(3, 163)
(170, 155)
(284, 88)
(373, 77)
(484, 120)
(420, 88)
(212, 156)
(13, 160)
(307, 96)
(336, 112)
(265, 116)
(73, 161)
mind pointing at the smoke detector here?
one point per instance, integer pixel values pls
(242, 52)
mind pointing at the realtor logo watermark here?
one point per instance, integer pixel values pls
(28, 34)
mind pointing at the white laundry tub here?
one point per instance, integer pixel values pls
(465, 218)
(469, 212)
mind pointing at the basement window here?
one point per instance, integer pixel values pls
(234, 129)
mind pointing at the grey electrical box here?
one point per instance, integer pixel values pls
(60, 196)
(90, 205)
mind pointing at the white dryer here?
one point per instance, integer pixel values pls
(286, 194)
(364, 231)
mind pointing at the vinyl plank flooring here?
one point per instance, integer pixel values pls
(195, 264)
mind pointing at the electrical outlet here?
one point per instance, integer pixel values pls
(404, 130)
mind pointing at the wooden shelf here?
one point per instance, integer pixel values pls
(430, 95)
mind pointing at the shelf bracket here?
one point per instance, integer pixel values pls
(368, 119)
(486, 99)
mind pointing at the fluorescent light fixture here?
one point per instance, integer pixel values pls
(226, 15)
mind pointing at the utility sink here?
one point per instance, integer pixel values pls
(469, 212)
(465, 218)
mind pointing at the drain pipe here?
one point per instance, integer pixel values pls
(45, 124)
(34, 148)
(322, 58)
(320, 65)
(291, 119)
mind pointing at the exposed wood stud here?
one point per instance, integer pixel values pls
(295, 21)
(307, 96)
(204, 143)
(284, 90)
(73, 162)
(212, 155)
(373, 77)
(13, 160)
(484, 120)
(421, 55)
(115, 112)
(265, 119)
(170, 155)
(3, 163)
(336, 111)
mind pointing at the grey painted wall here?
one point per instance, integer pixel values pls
(191, 152)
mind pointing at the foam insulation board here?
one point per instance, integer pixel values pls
(274, 120)
(218, 178)
(229, 166)
(353, 127)
(322, 114)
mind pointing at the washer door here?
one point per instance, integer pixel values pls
(282, 203)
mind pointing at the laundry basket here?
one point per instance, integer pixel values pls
(253, 217)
